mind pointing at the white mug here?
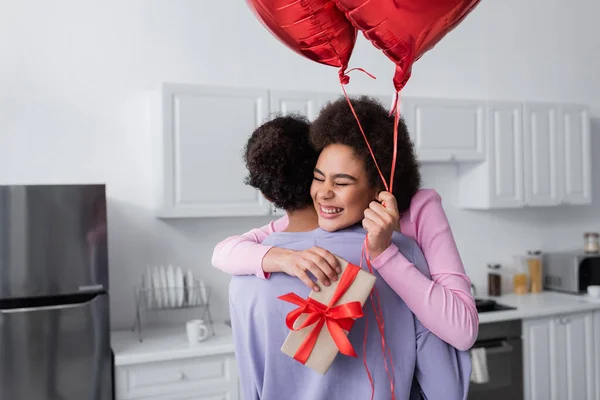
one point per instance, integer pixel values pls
(196, 331)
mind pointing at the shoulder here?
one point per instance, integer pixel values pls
(285, 239)
(425, 197)
(410, 249)
(425, 207)
(425, 201)
(405, 244)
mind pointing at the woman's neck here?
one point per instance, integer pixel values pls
(303, 220)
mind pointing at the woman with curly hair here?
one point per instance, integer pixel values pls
(281, 161)
(346, 190)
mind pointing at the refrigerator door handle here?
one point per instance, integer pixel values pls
(42, 308)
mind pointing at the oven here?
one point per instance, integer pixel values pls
(504, 359)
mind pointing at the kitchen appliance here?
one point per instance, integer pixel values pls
(502, 346)
(54, 302)
(571, 272)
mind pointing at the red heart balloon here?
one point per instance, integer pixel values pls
(405, 29)
(315, 29)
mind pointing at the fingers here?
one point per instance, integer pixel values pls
(388, 214)
(375, 217)
(321, 268)
(303, 276)
(330, 258)
(390, 201)
(319, 262)
(370, 226)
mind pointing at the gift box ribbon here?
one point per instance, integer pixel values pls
(338, 318)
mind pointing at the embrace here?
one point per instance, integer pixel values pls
(322, 174)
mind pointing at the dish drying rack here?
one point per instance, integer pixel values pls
(196, 295)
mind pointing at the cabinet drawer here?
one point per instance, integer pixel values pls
(209, 374)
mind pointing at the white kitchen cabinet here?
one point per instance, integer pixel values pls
(574, 154)
(509, 154)
(203, 130)
(596, 347)
(293, 102)
(540, 154)
(198, 378)
(445, 129)
(537, 154)
(498, 181)
(559, 357)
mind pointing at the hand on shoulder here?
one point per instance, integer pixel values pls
(316, 260)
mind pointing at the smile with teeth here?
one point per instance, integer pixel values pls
(331, 210)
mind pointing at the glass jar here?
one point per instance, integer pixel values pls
(521, 278)
(591, 245)
(520, 283)
(494, 280)
(534, 261)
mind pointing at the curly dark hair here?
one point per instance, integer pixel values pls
(280, 161)
(336, 125)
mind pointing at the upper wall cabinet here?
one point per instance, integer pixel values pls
(291, 102)
(498, 181)
(540, 154)
(537, 154)
(446, 130)
(203, 133)
(509, 154)
(574, 154)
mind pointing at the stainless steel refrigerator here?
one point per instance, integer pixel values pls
(54, 302)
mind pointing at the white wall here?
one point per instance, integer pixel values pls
(73, 108)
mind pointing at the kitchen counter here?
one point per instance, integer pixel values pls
(167, 343)
(539, 305)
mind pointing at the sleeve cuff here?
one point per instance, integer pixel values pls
(259, 252)
(384, 257)
(391, 255)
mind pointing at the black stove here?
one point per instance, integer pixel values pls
(488, 305)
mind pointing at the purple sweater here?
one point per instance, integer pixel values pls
(258, 319)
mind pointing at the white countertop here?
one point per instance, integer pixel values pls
(539, 305)
(167, 343)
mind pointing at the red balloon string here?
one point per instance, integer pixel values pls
(374, 296)
(365, 356)
(376, 305)
(363, 133)
(396, 111)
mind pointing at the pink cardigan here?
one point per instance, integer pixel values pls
(443, 304)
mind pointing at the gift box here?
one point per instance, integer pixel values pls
(320, 324)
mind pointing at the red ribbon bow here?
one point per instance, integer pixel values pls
(338, 318)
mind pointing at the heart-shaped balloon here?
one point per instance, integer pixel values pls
(315, 29)
(405, 29)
